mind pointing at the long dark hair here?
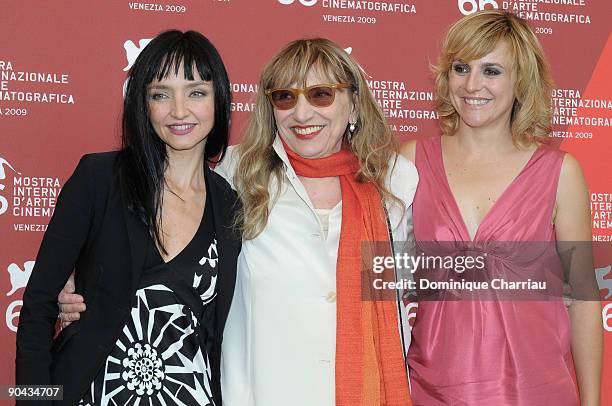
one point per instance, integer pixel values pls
(143, 158)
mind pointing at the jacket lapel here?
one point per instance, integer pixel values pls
(228, 243)
(138, 237)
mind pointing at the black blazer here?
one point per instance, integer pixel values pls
(94, 233)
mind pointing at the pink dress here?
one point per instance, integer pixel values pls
(491, 352)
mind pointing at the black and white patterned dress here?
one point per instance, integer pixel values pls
(162, 354)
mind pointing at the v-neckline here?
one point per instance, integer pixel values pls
(193, 237)
(493, 207)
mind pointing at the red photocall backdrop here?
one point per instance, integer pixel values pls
(63, 65)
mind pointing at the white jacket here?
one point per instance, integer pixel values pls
(280, 338)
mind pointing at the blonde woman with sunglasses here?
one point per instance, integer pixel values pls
(316, 167)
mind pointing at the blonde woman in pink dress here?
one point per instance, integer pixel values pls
(491, 178)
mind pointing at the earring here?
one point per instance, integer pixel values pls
(352, 127)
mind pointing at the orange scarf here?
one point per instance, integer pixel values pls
(370, 368)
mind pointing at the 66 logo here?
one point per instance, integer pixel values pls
(302, 2)
(19, 279)
(471, 6)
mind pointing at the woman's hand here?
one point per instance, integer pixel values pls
(71, 305)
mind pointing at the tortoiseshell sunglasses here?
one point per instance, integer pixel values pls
(322, 95)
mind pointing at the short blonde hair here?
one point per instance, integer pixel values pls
(478, 34)
(372, 141)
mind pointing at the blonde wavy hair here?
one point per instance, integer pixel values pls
(475, 36)
(372, 141)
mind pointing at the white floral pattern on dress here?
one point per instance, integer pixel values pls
(157, 359)
(143, 370)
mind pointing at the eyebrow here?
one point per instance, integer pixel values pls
(490, 64)
(485, 64)
(190, 85)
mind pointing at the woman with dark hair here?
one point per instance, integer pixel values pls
(149, 232)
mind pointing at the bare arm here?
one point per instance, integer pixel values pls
(573, 224)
